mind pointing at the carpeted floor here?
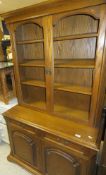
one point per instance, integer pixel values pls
(4, 107)
(6, 167)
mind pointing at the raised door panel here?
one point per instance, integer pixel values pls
(58, 159)
(25, 145)
(59, 163)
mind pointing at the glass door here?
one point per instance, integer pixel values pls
(75, 39)
(31, 62)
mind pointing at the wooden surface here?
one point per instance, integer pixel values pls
(75, 37)
(62, 87)
(32, 63)
(29, 41)
(74, 89)
(99, 78)
(48, 8)
(77, 63)
(49, 61)
(54, 125)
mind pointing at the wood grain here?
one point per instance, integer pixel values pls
(30, 41)
(72, 100)
(34, 96)
(34, 63)
(97, 84)
(49, 61)
(74, 63)
(32, 73)
(58, 126)
(48, 8)
(77, 77)
(79, 26)
(23, 30)
(34, 83)
(74, 89)
(71, 49)
(72, 37)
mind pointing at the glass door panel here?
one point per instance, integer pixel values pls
(31, 62)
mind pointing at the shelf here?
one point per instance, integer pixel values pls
(71, 112)
(74, 89)
(37, 104)
(64, 63)
(34, 83)
(75, 63)
(33, 63)
(30, 41)
(71, 37)
(59, 86)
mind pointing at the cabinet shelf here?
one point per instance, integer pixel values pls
(59, 86)
(37, 104)
(71, 112)
(64, 63)
(71, 37)
(33, 63)
(75, 63)
(30, 41)
(34, 83)
(73, 89)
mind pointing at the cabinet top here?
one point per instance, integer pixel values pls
(74, 132)
(47, 8)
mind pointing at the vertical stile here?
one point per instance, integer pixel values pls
(97, 83)
(15, 60)
(49, 60)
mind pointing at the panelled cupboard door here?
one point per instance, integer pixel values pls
(59, 162)
(25, 145)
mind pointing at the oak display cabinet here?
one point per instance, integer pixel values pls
(59, 60)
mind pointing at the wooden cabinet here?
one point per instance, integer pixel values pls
(44, 153)
(59, 58)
